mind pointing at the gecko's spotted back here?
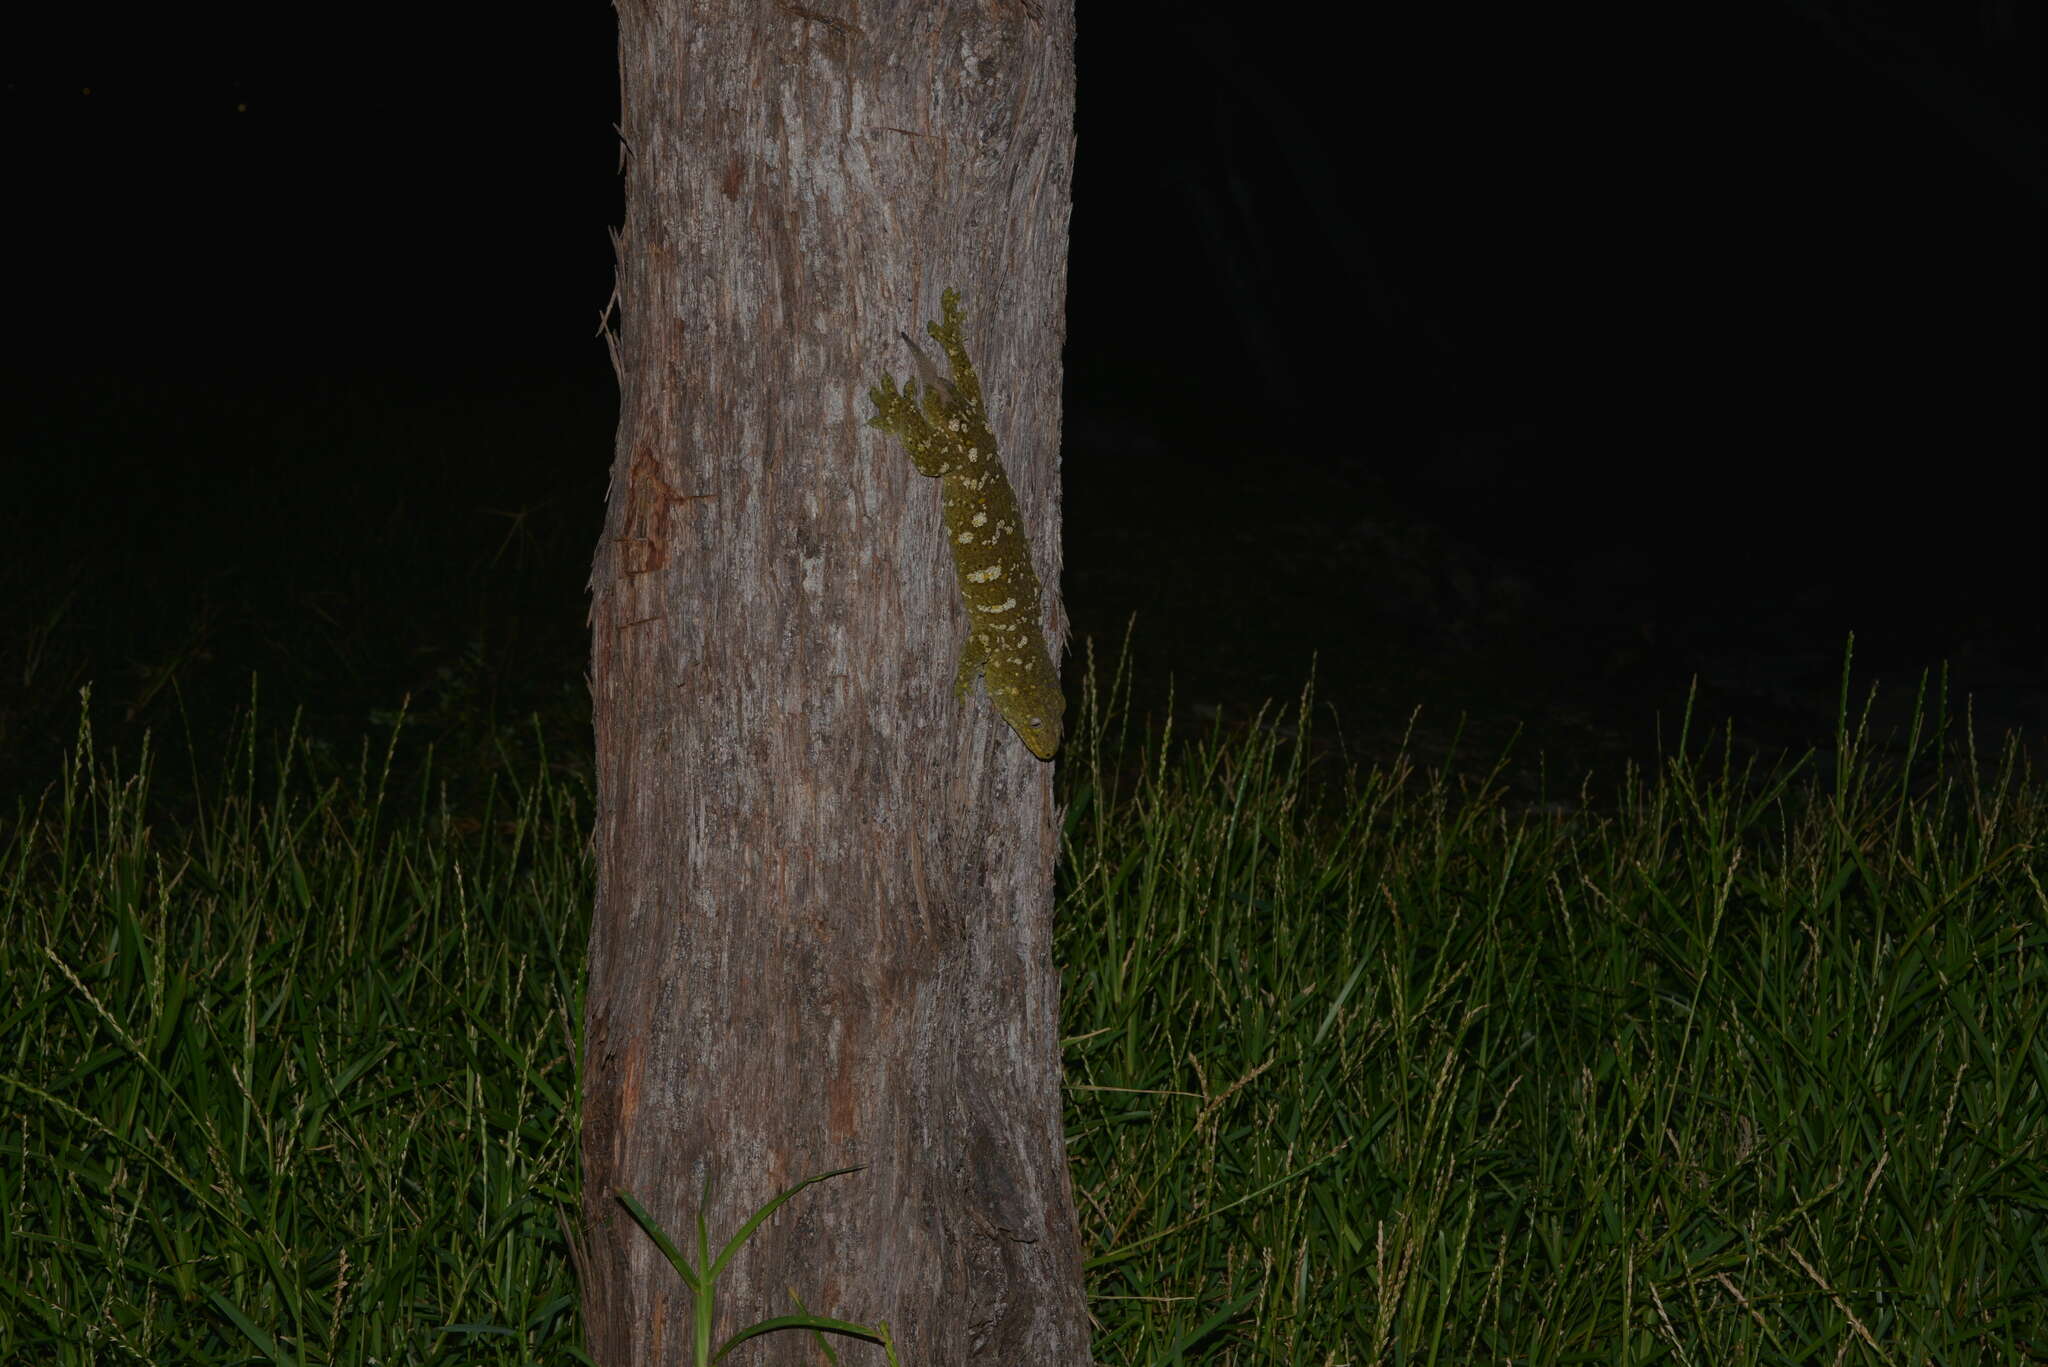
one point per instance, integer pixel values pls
(944, 428)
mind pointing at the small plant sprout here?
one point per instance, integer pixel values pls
(703, 1284)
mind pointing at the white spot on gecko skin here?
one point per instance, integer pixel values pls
(989, 575)
(981, 519)
(965, 538)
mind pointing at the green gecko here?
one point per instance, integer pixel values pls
(947, 437)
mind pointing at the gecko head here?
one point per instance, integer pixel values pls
(1040, 731)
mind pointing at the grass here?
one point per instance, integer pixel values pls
(701, 1279)
(1361, 1068)
(294, 1083)
(1746, 1073)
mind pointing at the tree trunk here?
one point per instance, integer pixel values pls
(823, 925)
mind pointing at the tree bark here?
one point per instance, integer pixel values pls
(823, 925)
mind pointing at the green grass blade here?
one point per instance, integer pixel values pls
(814, 1322)
(661, 1240)
(764, 1212)
(264, 1343)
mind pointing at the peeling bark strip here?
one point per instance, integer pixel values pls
(823, 929)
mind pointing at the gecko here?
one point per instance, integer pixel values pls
(944, 429)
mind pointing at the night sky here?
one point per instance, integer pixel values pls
(1677, 344)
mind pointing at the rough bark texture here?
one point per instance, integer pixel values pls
(823, 926)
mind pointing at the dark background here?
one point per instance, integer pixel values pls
(1530, 369)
